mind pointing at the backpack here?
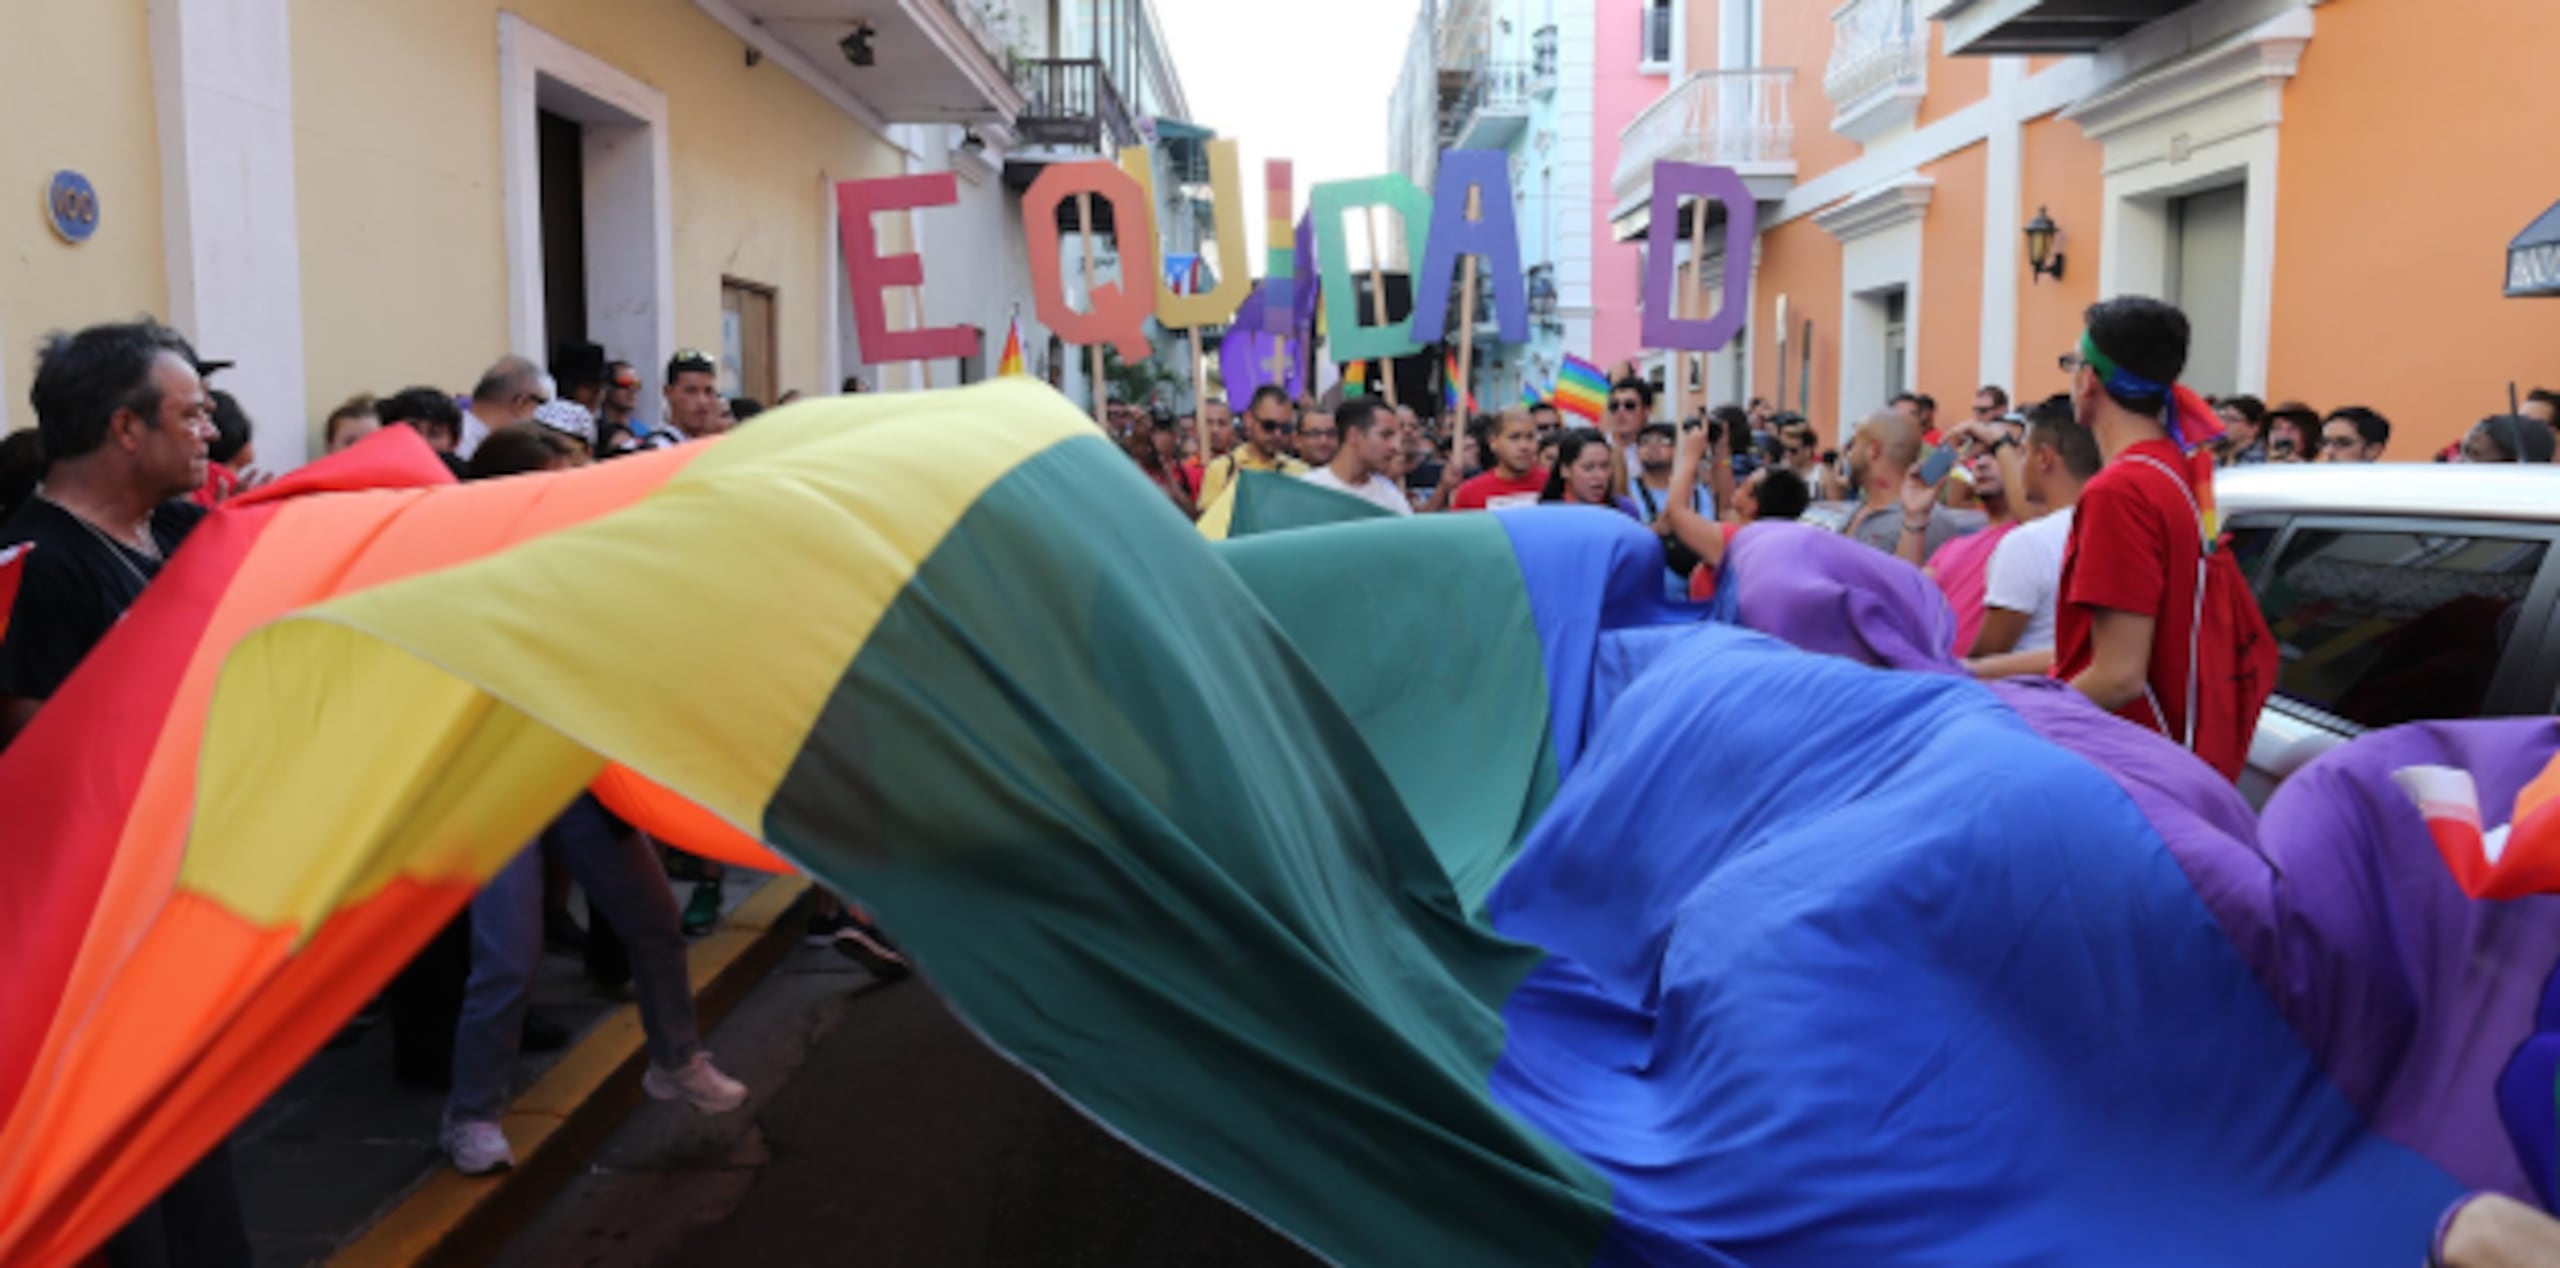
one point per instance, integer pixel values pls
(2221, 590)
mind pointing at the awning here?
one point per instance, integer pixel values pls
(2533, 259)
(1172, 129)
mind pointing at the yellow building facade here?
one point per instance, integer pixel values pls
(345, 197)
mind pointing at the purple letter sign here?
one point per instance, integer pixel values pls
(1490, 238)
(1664, 328)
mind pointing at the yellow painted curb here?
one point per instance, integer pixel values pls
(559, 1122)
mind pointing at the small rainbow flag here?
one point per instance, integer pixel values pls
(1355, 379)
(1453, 395)
(1581, 389)
(1531, 394)
(1011, 362)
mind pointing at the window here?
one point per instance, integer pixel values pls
(1657, 33)
(2381, 627)
(746, 339)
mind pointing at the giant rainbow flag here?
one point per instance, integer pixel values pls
(1640, 934)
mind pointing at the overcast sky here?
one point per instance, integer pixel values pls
(1306, 81)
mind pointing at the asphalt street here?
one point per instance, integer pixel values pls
(881, 1131)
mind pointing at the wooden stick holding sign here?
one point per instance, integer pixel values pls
(1378, 299)
(1084, 247)
(1467, 319)
(1696, 306)
(1200, 395)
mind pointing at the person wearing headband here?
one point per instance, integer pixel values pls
(2154, 624)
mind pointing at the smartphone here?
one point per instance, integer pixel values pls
(1934, 468)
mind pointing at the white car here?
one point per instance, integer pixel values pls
(2398, 592)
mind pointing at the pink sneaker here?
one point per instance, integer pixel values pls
(699, 1083)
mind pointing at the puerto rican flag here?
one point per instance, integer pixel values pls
(13, 563)
(2511, 860)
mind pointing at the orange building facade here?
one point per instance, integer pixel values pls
(2328, 187)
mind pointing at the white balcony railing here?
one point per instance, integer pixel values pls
(1729, 118)
(1879, 65)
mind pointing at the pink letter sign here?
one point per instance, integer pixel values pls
(868, 274)
(1115, 314)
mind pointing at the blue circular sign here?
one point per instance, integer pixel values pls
(71, 202)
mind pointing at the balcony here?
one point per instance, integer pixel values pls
(1879, 67)
(1543, 57)
(931, 61)
(1070, 103)
(1720, 118)
(1494, 108)
(1982, 28)
(1466, 31)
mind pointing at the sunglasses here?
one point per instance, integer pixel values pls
(1626, 404)
(2071, 363)
(691, 359)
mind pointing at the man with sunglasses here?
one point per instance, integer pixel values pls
(2155, 622)
(507, 394)
(1269, 424)
(618, 423)
(1630, 408)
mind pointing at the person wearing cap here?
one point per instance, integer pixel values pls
(570, 419)
(2155, 624)
(506, 394)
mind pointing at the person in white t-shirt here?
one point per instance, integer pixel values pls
(1370, 439)
(2058, 457)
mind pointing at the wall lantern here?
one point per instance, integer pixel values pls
(2041, 257)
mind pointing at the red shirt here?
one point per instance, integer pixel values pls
(1493, 489)
(2135, 543)
(1702, 579)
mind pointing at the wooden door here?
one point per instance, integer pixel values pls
(747, 340)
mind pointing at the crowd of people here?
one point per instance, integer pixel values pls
(2067, 537)
(130, 449)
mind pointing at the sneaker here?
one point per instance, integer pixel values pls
(699, 1083)
(702, 911)
(476, 1148)
(861, 942)
(823, 927)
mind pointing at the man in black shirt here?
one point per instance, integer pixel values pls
(126, 422)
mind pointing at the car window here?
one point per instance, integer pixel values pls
(2248, 543)
(2381, 627)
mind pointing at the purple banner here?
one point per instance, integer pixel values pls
(1664, 327)
(1251, 356)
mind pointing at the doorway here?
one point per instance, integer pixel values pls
(746, 339)
(2207, 232)
(588, 209)
(564, 230)
(1897, 343)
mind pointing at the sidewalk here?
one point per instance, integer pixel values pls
(342, 1160)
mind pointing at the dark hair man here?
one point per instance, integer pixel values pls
(2022, 597)
(1269, 422)
(2293, 433)
(2354, 434)
(1630, 408)
(432, 414)
(125, 422)
(1546, 418)
(695, 410)
(2154, 625)
(507, 393)
(1371, 441)
(1319, 439)
(1990, 403)
(2542, 405)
